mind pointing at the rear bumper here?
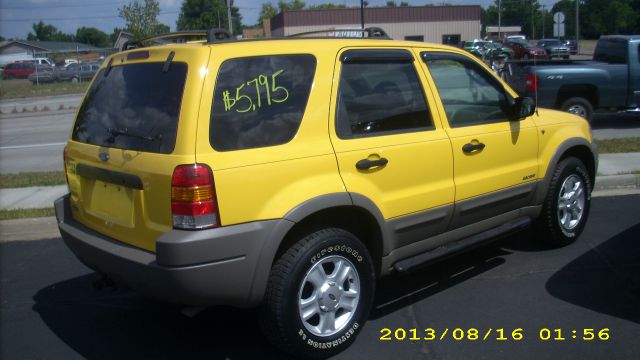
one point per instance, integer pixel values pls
(224, 266)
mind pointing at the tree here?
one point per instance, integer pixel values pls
(327, 6)
(291, 5)
(44, 32)
(208, 14)
(141, 17)
(515, 13)
(600, 17)
(267, 12)
(161, 29)
(404, 4)
(391, 4)
(92, 36)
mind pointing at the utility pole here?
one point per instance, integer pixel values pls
(362, 14)
(533, 25)
(578, 25)
(229, 16)
(499, 19)
(544, 15)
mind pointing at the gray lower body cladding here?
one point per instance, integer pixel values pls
(210, 267)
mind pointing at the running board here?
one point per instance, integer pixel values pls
(444, 251)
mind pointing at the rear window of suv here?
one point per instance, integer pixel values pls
(134, 107)
(259, 101)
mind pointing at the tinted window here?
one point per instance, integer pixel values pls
(469, 94)
(612, 51)
(260, 101)
(135, 107)
(377, 98)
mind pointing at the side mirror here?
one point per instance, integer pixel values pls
(522, 108)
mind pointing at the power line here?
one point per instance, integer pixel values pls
(37, 7)
(77, 18)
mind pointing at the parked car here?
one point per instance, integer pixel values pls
(78, 72)
(610, 82)
(43, 61)
(516, 38)
(487, 49)
(572, 45)
(526, 51)
(291, 174)
(554, 48)
(18, 70)
(42, 74)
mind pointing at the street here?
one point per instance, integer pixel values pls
(33, 141)
(51, 309)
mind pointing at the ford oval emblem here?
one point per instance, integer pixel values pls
(103, 156)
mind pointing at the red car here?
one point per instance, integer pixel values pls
(522, 50)
(18, 70)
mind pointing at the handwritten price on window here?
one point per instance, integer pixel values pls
(271, 94)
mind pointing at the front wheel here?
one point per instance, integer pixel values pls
(566, 207)
(319, 294)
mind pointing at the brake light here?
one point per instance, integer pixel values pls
(64, 159)
(193, 198)
(532, 83)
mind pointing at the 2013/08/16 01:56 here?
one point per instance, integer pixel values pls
(498, 334)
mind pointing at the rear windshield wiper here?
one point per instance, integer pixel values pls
(125, 132)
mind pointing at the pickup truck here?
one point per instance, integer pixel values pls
(610, 82)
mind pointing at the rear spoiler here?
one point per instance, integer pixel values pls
(208, 36)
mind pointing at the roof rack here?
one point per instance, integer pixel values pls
(370, 32)
(208, 36)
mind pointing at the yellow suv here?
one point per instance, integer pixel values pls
(290, 174)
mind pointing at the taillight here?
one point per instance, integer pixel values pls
(532, 83)
(193, 198)
(64, 159)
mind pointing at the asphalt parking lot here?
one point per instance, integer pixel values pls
(51, 309)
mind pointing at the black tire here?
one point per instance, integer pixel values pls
(578, 106)
(291, 277)
(550, 226)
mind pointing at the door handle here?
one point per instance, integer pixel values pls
(469, 148)
(366, 164)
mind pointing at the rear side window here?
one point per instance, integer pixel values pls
(260, 101)
(613, 51)
(135, 107)
(380, 97)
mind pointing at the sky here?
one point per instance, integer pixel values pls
(17, 16)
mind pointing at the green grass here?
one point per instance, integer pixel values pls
(25, 213)
(623, 145)
(18, 88)
(27, 179)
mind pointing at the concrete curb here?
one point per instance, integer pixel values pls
(29, 229)
(40, 104)
(611, 182)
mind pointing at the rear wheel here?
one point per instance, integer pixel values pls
(566, 207)
(319, 294)
(578, 106)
